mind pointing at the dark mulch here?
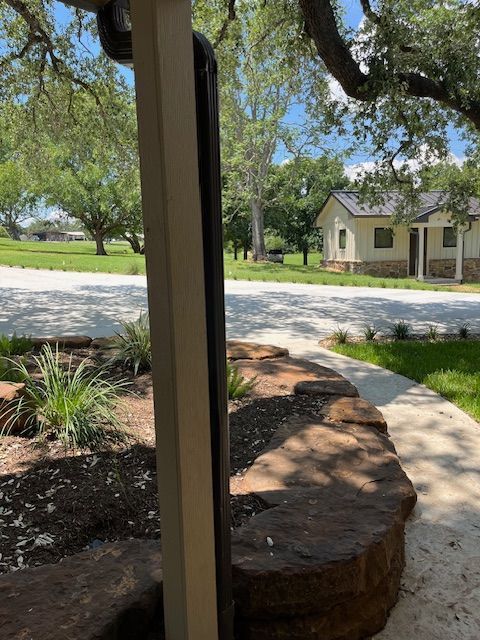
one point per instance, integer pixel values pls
(55, 503)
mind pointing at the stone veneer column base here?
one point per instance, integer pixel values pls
(445, 268)
(381, 268)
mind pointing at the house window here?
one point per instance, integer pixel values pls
(342, 239)
(383, 238)
(449, 237)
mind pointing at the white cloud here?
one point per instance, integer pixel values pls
(359, 169)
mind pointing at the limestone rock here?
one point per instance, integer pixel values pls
(326, 386)
(64, 342)
(10, 395)
(339, 500)
(356, 410)
(103, 343)
(283, 374)
(237, 350)
(112, 593)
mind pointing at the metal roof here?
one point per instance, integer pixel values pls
(431, 201)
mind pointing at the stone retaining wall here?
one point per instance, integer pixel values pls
(324, 561)
(381, 268)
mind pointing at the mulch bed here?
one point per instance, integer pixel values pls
(54, 503)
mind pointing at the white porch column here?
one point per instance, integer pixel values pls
(459, 261)
(163, 54)
(421, 253)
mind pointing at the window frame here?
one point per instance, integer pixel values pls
(375, 244)
(449, 246)
(342, 233)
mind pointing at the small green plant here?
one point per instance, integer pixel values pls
(464, 331)
(340, 336)
(237, 385)
(383, 284)
(14, 346)
(401, 330)
(73, 404)
(133, 345)
(432, 333)
(370, 332)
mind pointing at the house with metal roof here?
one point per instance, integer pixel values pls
(361, 239)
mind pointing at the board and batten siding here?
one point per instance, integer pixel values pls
(436, 250)
(334, 218)
(365, 240)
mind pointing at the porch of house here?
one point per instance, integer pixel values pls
(421, 259)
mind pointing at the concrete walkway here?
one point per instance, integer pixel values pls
(438, 444)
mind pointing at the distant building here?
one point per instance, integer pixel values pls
(59, 236)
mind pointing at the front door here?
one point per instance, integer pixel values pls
(413, 254)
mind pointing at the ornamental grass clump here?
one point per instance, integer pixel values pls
(464, 331)
(340, 336)
(133, 345)
(72, 403)
(238, 386)
(401, 330)
(432, 333)
(370, 332)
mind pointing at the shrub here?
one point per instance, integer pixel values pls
(464, 331)
(75, 405)
(133, 345)
(370, 332)
(401, 330)
(237, 385)
(4, 233)
(340, 336)
(14, 346)
(432, 332)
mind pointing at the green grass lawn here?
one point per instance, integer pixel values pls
(452, 368)
(80, 256)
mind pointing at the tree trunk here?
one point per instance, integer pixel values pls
(258, 234)
(99, 242)
(13, 232)
(305, 256)
(134, 242)
(245, 251)
(235, 251)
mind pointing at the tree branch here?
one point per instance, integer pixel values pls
(322, 27)
(232, 14)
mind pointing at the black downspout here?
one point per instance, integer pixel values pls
(210, 190)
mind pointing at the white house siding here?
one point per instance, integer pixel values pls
(436, 250)
(334, 218)
(365, 241)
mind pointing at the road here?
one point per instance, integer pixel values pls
(55, 302)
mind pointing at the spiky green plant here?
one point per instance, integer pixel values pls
(8, 371)
(340, 336)
(73, 403)
(464, 331)
(14, 346)
(133, 345)
(401, 330)
(432, 333)
(370, 332)
(238, 386)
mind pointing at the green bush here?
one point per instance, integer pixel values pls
(133, 345)
(237, 385)
(14, 346)
(74, 404)
(4, 233)
(432, 333)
